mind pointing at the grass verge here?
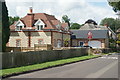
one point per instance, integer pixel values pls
(6, 72)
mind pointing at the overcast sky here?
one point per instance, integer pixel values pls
(77, 10)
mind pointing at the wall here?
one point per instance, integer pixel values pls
(34, 36)
(23, 36)
(16, 59)
(60, 36)
(104, 42)
(45, 36)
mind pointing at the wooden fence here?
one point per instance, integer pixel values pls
(16, 59)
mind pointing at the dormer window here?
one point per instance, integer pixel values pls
(19, 25)
(58, 26)
(18, 28)
(39, 25)
(66, 28)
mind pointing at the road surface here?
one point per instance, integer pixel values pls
(102, 67)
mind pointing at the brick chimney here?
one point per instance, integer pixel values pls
(30, 10)
(30, 17)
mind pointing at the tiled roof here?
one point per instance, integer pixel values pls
(92, 27)
(97, 34)
(49, 20)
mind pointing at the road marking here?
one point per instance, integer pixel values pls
(101, 71)
(109, 57)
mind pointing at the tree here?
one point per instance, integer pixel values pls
(75, 26)
(115, 5)
(13, 19)
(0, 26)
(66, 19)
(5, 26)
(114, 24)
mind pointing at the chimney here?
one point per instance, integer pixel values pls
(30, 17)
(30, 10)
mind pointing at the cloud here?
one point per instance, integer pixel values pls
(77, 10)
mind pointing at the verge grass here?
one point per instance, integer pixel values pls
(5, 72)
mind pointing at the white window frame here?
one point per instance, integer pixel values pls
(18, 43)
(39, 23)
(18, 25)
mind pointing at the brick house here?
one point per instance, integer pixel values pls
(38, 28)
(100, 35)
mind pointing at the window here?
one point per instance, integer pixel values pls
(39, 27)
(81, 43)
(19, 28)
(59, 43)
(40, 41)
(18, 43)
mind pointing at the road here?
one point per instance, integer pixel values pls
(102, 67)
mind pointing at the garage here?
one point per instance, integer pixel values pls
(94, 44)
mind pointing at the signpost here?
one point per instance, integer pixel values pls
(90, 35)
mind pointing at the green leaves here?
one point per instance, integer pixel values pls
(114, 24)
(5, 26)
(115, 5)
(13, 19)
(75, 26)
(66, 19)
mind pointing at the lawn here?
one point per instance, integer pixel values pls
(10, 71)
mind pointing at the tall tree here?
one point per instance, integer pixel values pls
(114, 24)
(0, 26)
(115, 5)
(75, 26)
(13, 19)
(66, 19)
(5, 26)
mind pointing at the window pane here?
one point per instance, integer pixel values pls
(41, 26)
(18, 43)
(40, 41)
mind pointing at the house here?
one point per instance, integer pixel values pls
(99, 35)
(38, 28)
(118, 37)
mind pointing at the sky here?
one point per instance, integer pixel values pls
(78, 11)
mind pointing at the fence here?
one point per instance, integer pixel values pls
(36, 47)
(16, 59)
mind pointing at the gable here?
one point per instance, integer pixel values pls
(19, 23)
(39, 22)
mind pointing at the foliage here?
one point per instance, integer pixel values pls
(66, 42)
(0, 26)
(114, 24)
(5, 26)
(118, 42)
(75, 26)
(112, 43)
(13, 19)
(42, 65)
(66, 19)
(118, 36)
(115, 5)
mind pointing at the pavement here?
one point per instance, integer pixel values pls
(102, 67)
